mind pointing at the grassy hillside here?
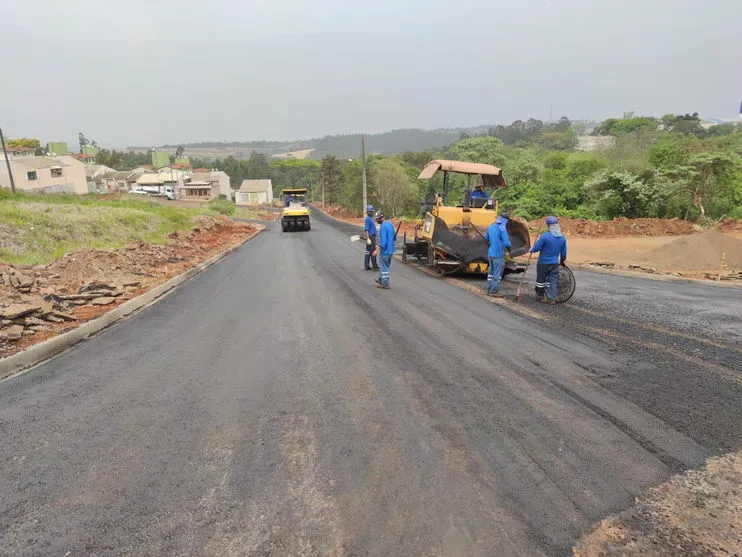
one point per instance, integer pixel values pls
(38, 229)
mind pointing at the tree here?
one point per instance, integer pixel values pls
(83, 141)
(25, 143)
(395, 192)
(488, 150)
(179, 151)
(330, 176)
(621, 194)
(703, 177)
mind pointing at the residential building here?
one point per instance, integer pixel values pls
(115, 182)
(206, 185)
(94, 171)
(254, 192)
(83, 157)
(46, 175)
(16, 152)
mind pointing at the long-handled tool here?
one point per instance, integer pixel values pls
(522, 278)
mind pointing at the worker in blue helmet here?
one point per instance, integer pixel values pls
(552, 249)
(385, 248)
(369, 229)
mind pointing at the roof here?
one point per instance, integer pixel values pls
(201, 170)
(39, 162)
(81, 156)
(116, 175)
(202, 177)
(150, 179)
(491, 175)
(298, 191)
(199, 183)
(19, 149)
(253, 186)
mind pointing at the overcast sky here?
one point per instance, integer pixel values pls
(149, 72)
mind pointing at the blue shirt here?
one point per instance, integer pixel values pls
(369, 226)
(386, 242)
(498, 240)
(480, 193)
(553, 249)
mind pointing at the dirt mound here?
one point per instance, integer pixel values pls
(698, 252)
(729, 225)
(621, 227)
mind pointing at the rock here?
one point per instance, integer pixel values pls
(28, 333)
(103, 301)
(18, 310)
(95, 287)
(33, 321)
(53, 319)
(130, 247)
(63, 316)
(11, 333)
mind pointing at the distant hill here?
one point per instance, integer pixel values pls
(388, 143)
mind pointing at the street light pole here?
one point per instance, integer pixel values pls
(7, 162)
(363, 165)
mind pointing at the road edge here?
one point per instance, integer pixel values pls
(650, 276)
(34, 355)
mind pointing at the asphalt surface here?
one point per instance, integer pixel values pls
(280, 404)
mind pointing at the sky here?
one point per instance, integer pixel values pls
(149, 72)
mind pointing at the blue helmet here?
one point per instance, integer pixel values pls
(369, 208)
(552, 220)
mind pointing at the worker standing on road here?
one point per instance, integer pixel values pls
(552, 248)
(499, 242)
(369, 227)
(502, 221)
(385, 247)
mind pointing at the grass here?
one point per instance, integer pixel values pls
(37, 229)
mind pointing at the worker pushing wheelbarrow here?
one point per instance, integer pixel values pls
(555, 282)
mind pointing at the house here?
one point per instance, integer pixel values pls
(16, 152)
(254, 192)
(46, 174)
(206, 185)
(93, 171)
(83, 157)
(116, 181)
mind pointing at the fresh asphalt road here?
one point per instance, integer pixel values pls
(279, 404)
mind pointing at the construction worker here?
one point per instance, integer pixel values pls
(369, 227)
(502, 220)
(552, 250)
(479, 192)
(385, 247)
(287, 200)
(499, 242)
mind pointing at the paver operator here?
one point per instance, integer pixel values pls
(369, 227)
(479, 192)
(552, 249)
(385, 247)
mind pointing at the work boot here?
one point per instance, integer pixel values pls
(495, 295)
(382, 286)
(367, 269)
(548, 301)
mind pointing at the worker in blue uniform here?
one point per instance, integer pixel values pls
(385, 248)
(499, 243)
(552, 250)
(479, 192)
(369, 229)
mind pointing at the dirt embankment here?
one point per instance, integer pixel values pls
(621, 227)
(695, 514)
(38, 302)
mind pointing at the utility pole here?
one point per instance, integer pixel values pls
(363, 166)
(7, 163)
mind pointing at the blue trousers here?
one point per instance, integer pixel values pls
(385, 262)
(547, 277)
(494, 274)
(370, 259)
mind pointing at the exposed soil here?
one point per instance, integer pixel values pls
(38, 302)
(622, 227)
(695, 514)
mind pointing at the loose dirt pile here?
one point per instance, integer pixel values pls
(37, 302)
(621, 227)
(699, 252)
(695, 514)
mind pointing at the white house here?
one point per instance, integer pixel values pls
(46, 175)
(254, 192)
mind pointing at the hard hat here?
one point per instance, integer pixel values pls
(379, 215)
(552, 220)
(369, 208)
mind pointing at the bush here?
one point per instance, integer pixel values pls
(222, 207)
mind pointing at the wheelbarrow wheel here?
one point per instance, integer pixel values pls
(566, 285)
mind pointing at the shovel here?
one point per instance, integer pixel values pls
(530, 254)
